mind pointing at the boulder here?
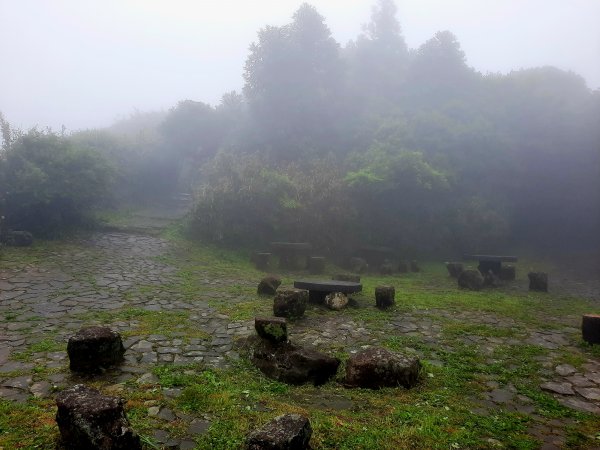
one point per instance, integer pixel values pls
(346, 277)
(358, 265)
(290, 303)
(293, 364)
(336, 301)
(268, 285)
(414, 266)
(385, 296)
(262, 261)
(287, 432)
(316, 264)
(403, 267)
(590, 328)
(538, 281)
(470, 279)
(508, 272)
(93, 349)
(454, 269)
(377, 367)
(273, 329)
(490, 279)
(17, 238)
(88, 420)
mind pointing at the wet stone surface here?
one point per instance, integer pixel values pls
(41, 306)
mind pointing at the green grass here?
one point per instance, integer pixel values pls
(462, 354)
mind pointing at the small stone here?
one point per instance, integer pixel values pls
(287, 432)
(166, 414)
(589, 393)
(41, 389)
(565, 370)
(198, 426)
(336, 301)
(268, 285)
(558, 388)
(153, 411)
(579, 405)
(148, 378)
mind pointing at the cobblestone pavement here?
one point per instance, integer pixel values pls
(112, 272)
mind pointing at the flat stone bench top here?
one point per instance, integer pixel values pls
(492, 258)
(347, 287)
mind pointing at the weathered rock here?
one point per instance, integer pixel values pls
(287, 432)
(293, 364)
(386, 268)
(590, 328)
(346, 277)
(454, 269)
(538, 281)
(88, 420)
(558, 388)
(358, 265)
(508, 272)
(290, 303)
(336, 301)
(378, 367)
(470, 279)
(385, 296)
(273, 329)
(17, 238)
(262, 260)
(490, 279)
(564, 370)
(316, 264)
(93, 349)
(414, 266)
(268, 285)
(403, 267)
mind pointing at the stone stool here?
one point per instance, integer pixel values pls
(590, 328)
(93, 349)
(290, 303)
(538, 281)
(316, 265)
(385, 296)
(88, 420)
(262, 261)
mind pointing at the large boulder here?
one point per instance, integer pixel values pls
(454, 269)
(88, 420)
(293, 364)
(93, 349)
(538, 281)
(268, 285)
(287, 432)
(385, 296)
(290, 303)
(377, 367)
(336, 301)
(17, 238)
(470, 279)
(273, 329)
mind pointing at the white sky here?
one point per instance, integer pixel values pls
(84, 63)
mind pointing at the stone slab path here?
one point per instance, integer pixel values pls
(42, 305)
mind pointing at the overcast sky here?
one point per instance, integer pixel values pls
(85, 63)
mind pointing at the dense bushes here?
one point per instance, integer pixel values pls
(48, 183)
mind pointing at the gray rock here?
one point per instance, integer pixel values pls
(93, 349)
(378, 367)
(558, 388)
(565, 370)
(268, 285)
(336, 301)
(290, 303)
(287, 432)
(89, 420)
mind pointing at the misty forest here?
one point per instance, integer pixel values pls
(369, 246)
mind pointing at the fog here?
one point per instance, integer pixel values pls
(84, 64)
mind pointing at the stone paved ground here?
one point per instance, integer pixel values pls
(42, 305)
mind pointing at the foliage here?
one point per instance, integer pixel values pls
(50, 183)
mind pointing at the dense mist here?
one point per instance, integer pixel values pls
(341, 144)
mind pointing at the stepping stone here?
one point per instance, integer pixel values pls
(579, 405)
(589, 393)
(565, 370)
(198, 426)
(558, 388)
